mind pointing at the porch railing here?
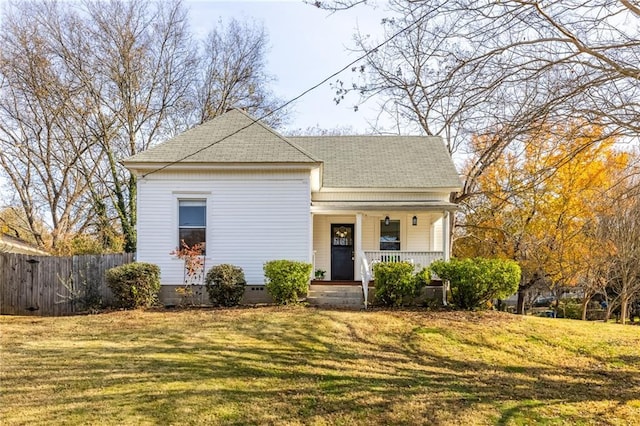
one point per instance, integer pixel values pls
(419, 259)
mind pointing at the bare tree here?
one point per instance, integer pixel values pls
(38, 151)
(84, 89)
(139, 76)
(14, 223)
(458, 68)
(620, 234)
(233, 73)
(85, 85)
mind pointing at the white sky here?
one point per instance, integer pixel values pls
(307, 45)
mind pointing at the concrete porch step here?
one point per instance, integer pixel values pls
(335, 291)
(343, 287)
(335, 295)
(336, 301)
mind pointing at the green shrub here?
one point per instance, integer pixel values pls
(569, 308)
(395, 283)
(423, 278)
(287, 280)
(225, 285)
(134, 285)
(475, 282)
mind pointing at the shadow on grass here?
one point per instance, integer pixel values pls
(253, 369)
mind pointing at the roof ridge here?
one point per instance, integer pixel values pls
(374, 136)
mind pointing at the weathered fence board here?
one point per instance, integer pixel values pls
(51, 286)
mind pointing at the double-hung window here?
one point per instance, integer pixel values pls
(192, 222)
(390, 235)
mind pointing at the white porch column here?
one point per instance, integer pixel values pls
(445, 236)
(446, 252)
(312, 252)
(357, 246)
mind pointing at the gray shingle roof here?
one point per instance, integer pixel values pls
(412, 162)
(228, 138)
(382, 161)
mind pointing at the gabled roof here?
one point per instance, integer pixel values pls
(382, 161)
(233, 137)
(394, 162)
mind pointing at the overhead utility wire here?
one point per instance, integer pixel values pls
(290, 101)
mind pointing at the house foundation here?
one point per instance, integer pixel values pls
(196, 295)
(321, 293)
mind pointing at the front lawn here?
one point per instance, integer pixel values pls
(306, 366)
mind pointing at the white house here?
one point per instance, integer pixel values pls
(252, 195)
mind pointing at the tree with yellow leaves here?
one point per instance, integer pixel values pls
(538, 202)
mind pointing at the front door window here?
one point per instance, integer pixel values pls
(342, 235)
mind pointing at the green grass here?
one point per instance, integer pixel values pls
(307, 366)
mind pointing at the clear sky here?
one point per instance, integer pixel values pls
(307, 45)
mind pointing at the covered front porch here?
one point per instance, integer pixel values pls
(345, 244)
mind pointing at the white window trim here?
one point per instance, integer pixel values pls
(175, 215)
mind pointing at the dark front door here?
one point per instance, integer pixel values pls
(342, 252)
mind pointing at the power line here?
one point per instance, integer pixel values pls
(292, 100)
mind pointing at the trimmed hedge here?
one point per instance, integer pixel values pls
(134, 285)
(476, 282)
(287, 280)
(395, 283)
(225, 284)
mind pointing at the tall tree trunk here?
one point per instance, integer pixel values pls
(585, 304)
(522, 292)
(624, 311)
(520, 302)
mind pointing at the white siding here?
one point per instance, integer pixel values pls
(370, 232)
(416, 237)
(251, 218)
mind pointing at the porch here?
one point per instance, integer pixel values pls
(345, 245)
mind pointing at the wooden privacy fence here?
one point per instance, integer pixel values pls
(52, 286)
